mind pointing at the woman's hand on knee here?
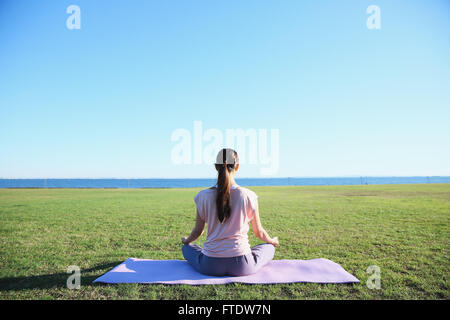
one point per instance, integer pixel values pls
(275, 242)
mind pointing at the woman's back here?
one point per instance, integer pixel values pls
(227, 239)
(227, 210)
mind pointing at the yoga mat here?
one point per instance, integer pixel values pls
(180, 272)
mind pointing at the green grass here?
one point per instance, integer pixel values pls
(403, 229)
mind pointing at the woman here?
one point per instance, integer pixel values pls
(227, 209)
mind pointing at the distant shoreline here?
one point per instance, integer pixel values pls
(168, 188)
(203, 183)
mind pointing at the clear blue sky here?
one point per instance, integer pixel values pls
(104, 100)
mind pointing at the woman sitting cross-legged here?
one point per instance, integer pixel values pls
(227, 209)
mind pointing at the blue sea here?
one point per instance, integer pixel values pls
(191, 183)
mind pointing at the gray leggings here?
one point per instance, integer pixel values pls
(235, 266)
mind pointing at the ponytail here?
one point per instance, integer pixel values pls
(224, 183)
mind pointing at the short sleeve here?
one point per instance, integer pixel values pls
(199, 203)
(253, 204)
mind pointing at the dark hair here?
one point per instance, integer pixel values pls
(225, 162)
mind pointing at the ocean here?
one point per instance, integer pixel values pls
(194, 183)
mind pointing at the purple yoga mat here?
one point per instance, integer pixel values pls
(180, 272)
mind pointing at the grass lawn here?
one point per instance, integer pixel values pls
(403, 229)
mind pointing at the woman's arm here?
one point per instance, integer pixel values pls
(196, 232)
(259, 231)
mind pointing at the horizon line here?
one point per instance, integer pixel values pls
(237, 178)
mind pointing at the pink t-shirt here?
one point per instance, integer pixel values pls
(230, 238)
